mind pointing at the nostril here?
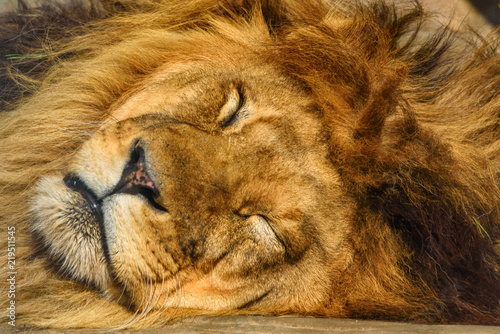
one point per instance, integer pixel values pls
(135, 178)
(135, 175)
(136, 153)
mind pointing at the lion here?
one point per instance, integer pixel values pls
(170, 158)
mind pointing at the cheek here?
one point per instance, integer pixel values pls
(253, 250)
(135, 236)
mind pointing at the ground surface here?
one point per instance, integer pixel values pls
(462, 11)
(288, 325)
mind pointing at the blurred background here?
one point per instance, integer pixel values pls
(490, 9)
(474, 12)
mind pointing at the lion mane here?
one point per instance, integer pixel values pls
(371, 143)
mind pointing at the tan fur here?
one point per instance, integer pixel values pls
(305, 161)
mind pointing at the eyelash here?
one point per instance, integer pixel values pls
(233, 117)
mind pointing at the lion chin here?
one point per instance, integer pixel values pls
(277, 157)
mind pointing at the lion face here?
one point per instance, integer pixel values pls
(207, 188)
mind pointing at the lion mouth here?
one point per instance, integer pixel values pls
(76, 184)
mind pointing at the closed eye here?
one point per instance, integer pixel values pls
(234, 108)
(265, 232)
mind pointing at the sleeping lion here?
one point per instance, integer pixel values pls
(171, 158)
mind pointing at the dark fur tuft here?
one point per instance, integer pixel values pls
(444, 204)
(27, 38)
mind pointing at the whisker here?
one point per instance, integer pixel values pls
(178, 292)
(146, 308)
(134, 318)
(123, 288)
(157, 313)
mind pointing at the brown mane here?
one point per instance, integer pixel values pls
(442, 201)
(411, 115)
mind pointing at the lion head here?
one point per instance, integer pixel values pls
(264, 158)
(191, 189)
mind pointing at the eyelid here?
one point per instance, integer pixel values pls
(230, 110)
(249, 213)
(265, 227)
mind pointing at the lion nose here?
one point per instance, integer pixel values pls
(135, 179)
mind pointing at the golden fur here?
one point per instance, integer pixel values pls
(175, 158)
